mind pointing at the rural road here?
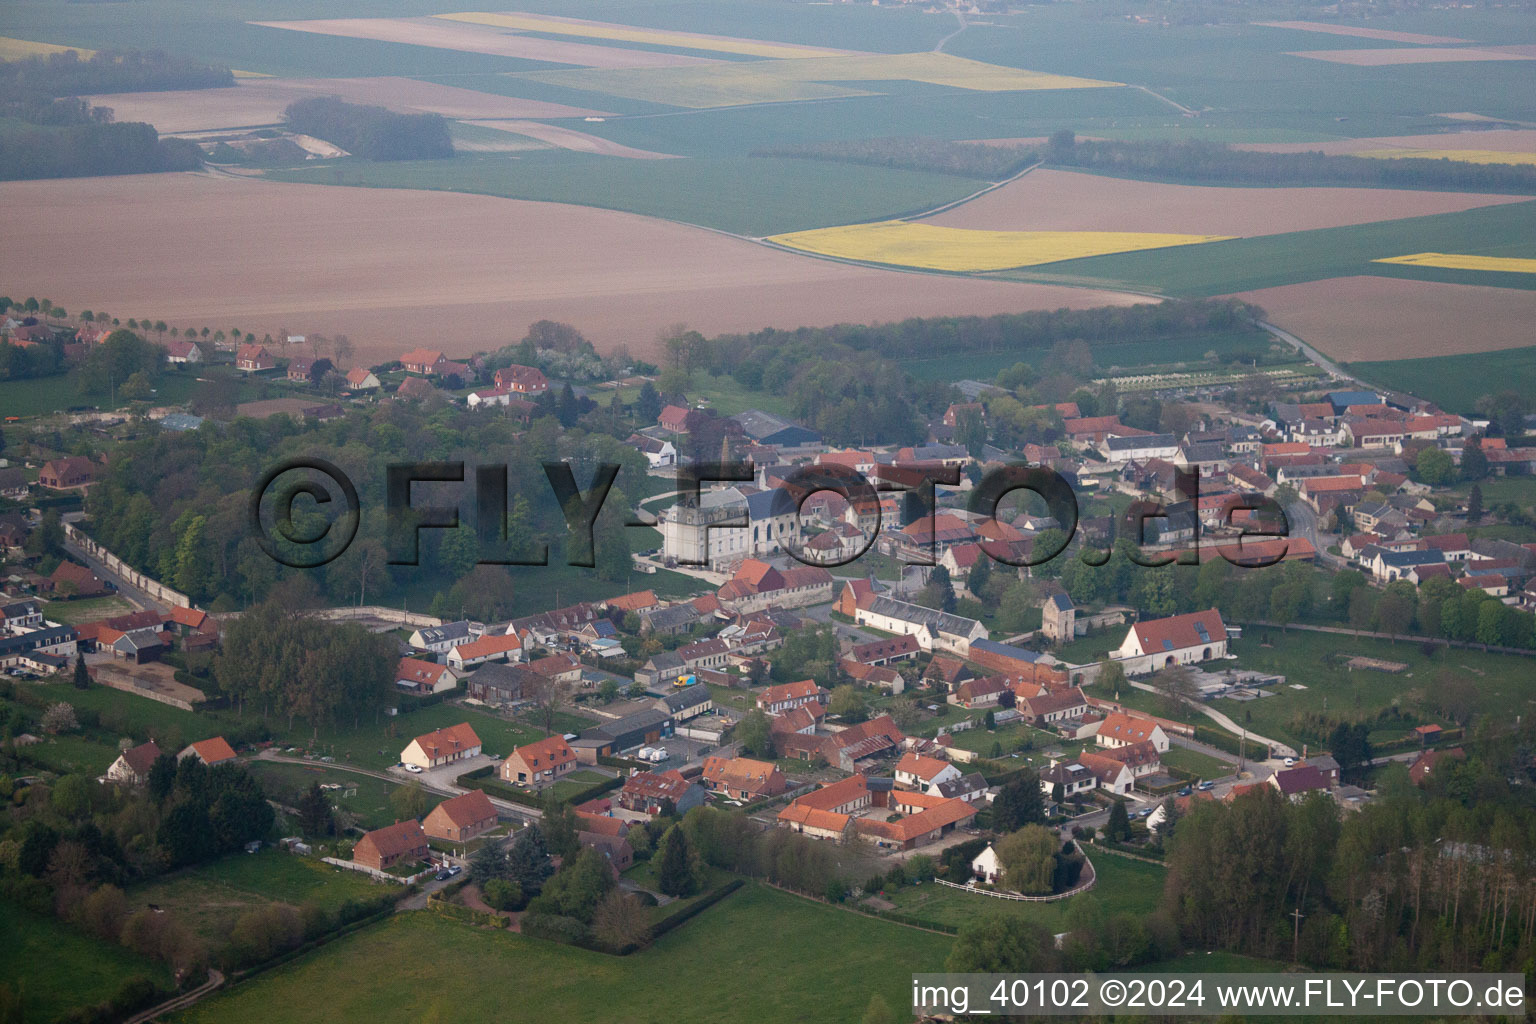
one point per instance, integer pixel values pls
(1277, 748)
(1302, 522)
(938, 47)
(181, 1002)
(124, 588)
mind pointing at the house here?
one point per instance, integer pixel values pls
(1072, 776)
(139, 646)
(210, 751)
(1140, 449)
(487, 397)
(981, 692)
(780, 698)
(972, 788)
(362, 379)
(914, 771)
(1058, 619)
(925, 819)
(1295, 783)
(254, 359)
(299, 369)
(658, 453)
(1424, 765)
(674, 419)
(423, 677)
(21, 616)
(487, 648)
(647, 792)
(935, 630)
(132, 765)
(14, 485)
(538, 763)
(687, 702)
(758, 587)
(461, 818)
(1111, 775)
(404, 842)
(522, 380)
(424, 361)
(843, 749)
(1047, 708)
(67, 474)
(639, 601)
(183, 352)
(743, 778)
(884, 652)
(987, 867)
(1119, 729)
(500, 683)
(442, 639)
(442, 746)
(616, 851)
(1178, 640)
(828, 812)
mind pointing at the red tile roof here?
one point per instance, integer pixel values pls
(212, 751)
(467, 809)
(1180, 631)
(455, 739)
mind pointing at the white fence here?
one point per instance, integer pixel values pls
(1020, 896)
(371, 612)
(153, 587)
(383, 876)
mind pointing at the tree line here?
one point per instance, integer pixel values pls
(915, 153)
(373, 133)
(66, 73)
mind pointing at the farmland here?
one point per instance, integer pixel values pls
(650, 37)
(1456, 382)
(1498, 264)
(791, 937)
(372, 264)
(1052, 200)
(917, 244)
(1471, 156)
(18, 49)
(1375, 318)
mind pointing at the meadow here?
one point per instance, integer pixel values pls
(837, 960)
(369, 798)
(211, 897)
(57, 968)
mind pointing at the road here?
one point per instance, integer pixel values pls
(1301, 521)
(1278, 749)
(181, 1002)
(515, 810)
(1327, 365)
(938, 47)
(124, 588)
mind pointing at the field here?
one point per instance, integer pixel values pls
(388, 268)
(58, 968)
(253, 102)
(370, 799)
(1471, 156)
(1050, 200)
(377, 745)
(1123, 886)
(649, 37)
(1203, 765)
(1376, 318)
(20, 49)
(1361, 32)
(1505, 683)
(475, 38)
(87, 610)
(918, 244)
(1497, 264)
(779, 81)
(1456, 382)
(1488, 140)
(838, 960)
(569, 138)
(211, 897)
(1423, 55)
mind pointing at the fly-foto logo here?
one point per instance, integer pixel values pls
(309, 534)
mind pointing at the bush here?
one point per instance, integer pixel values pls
(555, 928)
(500, 894)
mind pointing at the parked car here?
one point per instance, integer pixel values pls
(454, 870)
(1206, 786)
(414, 769)
(443, 876)
(1290, 762)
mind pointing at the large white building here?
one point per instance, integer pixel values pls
(697, 534)
(935, 630)
(1180, 640)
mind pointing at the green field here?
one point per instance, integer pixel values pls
(1203, 765)
(1120, 356)
(87, 610)
(369, 799)
(133, 716)
(58, 968)
(210, 898)
(1456, 382)
(1123, 885)
(1506, 683)
(378, 744)
(697, 974)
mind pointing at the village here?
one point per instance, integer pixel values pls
(904, 683)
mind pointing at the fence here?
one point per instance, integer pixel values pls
(383, 876)
(1052, 898)
(153, 587)
(396, 616)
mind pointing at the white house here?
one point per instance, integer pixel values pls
(1180, 640)
(935, 630)
(442, 746)
(1140, 449)
(487, 397)
(444, 638)
(917, 772)
(1119, 729)
(987, 867)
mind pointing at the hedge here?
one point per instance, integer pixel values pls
(1223, 740)
(409, 703)
(466, 914)
(621, 762)
(914, 922)
(703, 903)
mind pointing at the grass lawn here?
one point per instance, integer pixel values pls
(838, 960)
(211, 898)
(58, 968)
(370, 801)
(73, 754)
(1203, 765)
(1506, 683)
(40, 396)
(132, 715)
(1092, 647)
(378, 744)
(1123, 885)
(576, 782)
(87, 610)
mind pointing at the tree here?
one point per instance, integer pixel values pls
(500, 894)
(1019, 803)
(1475, 504)
(1118, 828)
(1435, 467)
(848, 701)
(528, 860)
(59, 718)
(998, 943)
(162, 777)
(621, 921)
(1015, 612)
(755, 734)
(315, 815)
(1175, 684)
(559, 824)
(608, 690)
(409, 801)
(1028, 857)
(1111, 677)
(677, 867)
(577, 888)
(939, 591)
(82, 675)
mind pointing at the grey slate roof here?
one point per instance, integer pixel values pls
(1125, 444)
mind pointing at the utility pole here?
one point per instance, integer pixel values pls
(1296, 937)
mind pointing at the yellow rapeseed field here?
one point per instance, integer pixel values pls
(1458, 261)
(20, 49)
(1471, 156)
(904, 244)
(627, 34)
